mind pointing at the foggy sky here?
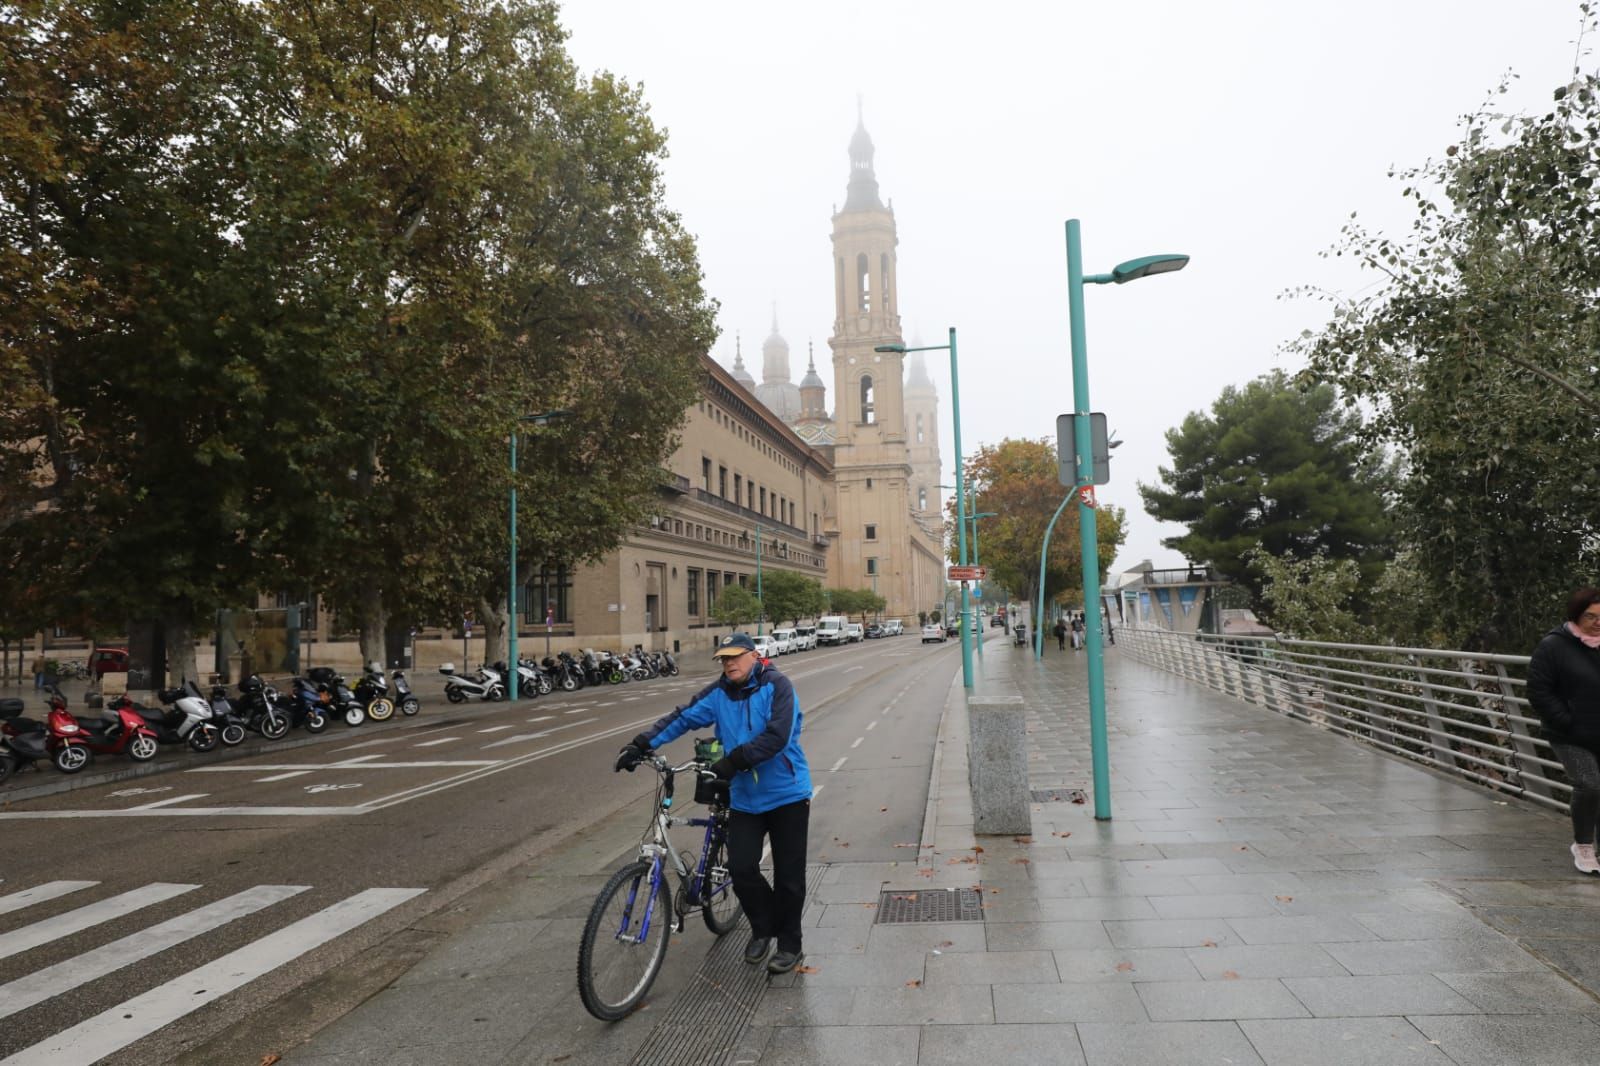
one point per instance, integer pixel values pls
(1243, 134)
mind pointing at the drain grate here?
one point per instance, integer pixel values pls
(914, 905)
(1059, 795)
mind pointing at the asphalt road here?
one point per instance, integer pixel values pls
(142, 919)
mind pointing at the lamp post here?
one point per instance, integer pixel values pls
(1131, 270)
(543, 418)
(977, 637)
(761, 614)
(961, 500)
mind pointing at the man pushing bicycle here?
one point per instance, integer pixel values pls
(757, 719)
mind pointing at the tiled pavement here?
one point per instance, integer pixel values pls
(1265, 893)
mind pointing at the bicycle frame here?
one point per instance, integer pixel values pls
(659, 847)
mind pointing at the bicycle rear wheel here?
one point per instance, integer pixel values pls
(616, 964)
(719, 905)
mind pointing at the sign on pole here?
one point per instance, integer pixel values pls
(1067, 450)
(968, 573)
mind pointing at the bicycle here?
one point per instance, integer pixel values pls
(625, 937)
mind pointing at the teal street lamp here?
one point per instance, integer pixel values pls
(761, 612)
(1132, 270)
(1044, 553)
(961, 499)
(543, 418)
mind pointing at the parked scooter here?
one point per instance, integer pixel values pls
(310, 706)
(184, 718)
(565, 674)
(119, 731)
(531, 684)
(372, 692)
(485, 684)
(58, 738)
(229, 722)
(342, 701)
(403, 696)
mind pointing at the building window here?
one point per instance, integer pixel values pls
(557, 582)
(711, 591)
(705, 474)
(872, 532)
(867, 414)
(863, 283)
(693, 597)
(883, 281)
(738, 488)
(750, 495)
(922, 499)
(763, 501)
(869, 483)
(872, 566)
(722, 482)
(919, 429)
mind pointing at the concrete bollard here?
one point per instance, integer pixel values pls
(997, 766)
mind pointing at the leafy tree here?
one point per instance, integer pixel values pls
(789, 596)
(1314, 598)
(736, 606)
(1019, 481)
(1475, 351)
(1279, 466)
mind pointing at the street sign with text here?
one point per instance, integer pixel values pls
(968, 573)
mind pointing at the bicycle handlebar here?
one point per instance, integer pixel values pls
(700, 768)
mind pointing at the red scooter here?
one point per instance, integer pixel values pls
(60, 738)
(120, 731)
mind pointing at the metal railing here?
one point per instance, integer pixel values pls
(1461, 712)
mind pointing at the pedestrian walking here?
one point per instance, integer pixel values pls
(38, 671)
(757, 717)
(1564, 690)
(1077, 632)
(1111, 634)
(1061, 634)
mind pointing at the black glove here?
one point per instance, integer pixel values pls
(632, 755)
(724, 769)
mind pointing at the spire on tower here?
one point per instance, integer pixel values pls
(862, 192)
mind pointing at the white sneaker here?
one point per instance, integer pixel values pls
(1583, 858)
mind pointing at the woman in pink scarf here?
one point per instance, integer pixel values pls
(1564, 689)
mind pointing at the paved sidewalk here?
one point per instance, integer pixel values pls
(1266, 893)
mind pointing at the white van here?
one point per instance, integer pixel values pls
(830, 629)
(805, 638)
(783, 639)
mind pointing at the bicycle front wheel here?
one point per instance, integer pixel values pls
(718, 903)
(624, 942)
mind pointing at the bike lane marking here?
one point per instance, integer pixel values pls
(281, 777)
(64, 976)
(64, 925)
(169, 801)
(493, 729)
(521, 737)
(436, 743)
(835, 767)
(98, 1037)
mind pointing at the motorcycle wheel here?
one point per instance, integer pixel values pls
(274, 726)
(455, 695)
(380, 709)
(495, 694)
(672, 671)
(568, 684)
(616, 677)
(316, 723)
(232, 734)
(203, 738)
(545, 685)
(641, 675)
(70, 758)
(6, 766)
(354, 716)
(410, 706)
(142, 748)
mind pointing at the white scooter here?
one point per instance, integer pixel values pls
(486, 684)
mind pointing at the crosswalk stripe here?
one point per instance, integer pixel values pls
(64, 976)
(39, 893)
(63, 925)
(93, 1039)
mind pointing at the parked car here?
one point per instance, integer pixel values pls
(952, 628)
(893, 627)
(933, 631)
(874, 630)
(997, 621)
(830, 629)
(104, 661)
(805, 638)
(853, 632)
(783, 640)
(766, 647)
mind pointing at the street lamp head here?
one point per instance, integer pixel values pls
(544, 417)
(1144, 266)
(889, 348)
(984, 514)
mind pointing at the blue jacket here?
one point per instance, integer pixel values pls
(758, 723)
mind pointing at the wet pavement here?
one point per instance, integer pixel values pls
(1266, 892)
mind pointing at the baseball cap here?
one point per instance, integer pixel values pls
(734, 644)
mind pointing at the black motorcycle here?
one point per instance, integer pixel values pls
(310, 706)
(372, 692)
(229, 722)
(342, 700)
(262, 709)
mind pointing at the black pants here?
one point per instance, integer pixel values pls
(1583, 774)
(773, 910)
(1061, 640)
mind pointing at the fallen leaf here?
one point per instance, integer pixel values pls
(946, 944)
(1284, 899)
(913, 984)
(805, 969)
(1242, 847)
(882, 809)
(1022, 840)
(1124, 967)
(1080, 799)
(1229, 975)
(1019, 861)
(1208, 943)
(905, 845)
(977, 850)
(1061, 834)
(270, 1058)
(912, 898)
